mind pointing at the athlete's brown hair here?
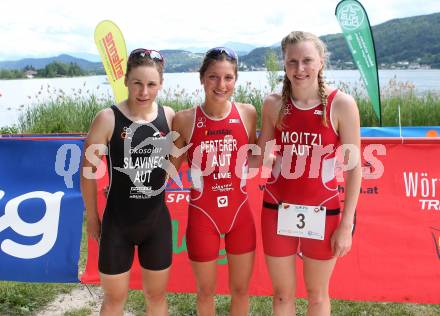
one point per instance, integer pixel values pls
(136, 60)
(219, 54)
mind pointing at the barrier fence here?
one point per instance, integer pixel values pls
(396, 246)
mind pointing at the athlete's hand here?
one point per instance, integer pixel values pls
(94, 228)
(341, 241)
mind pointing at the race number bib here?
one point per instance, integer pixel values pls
(301, 221)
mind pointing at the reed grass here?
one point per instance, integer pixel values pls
(64, 113)
(415, 109)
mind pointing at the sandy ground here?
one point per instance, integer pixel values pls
(81, 297)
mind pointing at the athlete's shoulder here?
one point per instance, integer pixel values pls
(169, 115)
(246, 108)
(168, 109)
(169, 112)
(345, 111)
(343, 102)
(183, 120)
(248, 115)
(102, 126)
(271, 106)
(183, 123)
(185, 115)
(105, 116)
(272, 101)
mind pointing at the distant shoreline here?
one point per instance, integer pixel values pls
(241, 71)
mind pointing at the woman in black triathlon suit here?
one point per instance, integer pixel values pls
(134, 133)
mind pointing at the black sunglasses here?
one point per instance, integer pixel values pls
(217, 51)
(147, 53)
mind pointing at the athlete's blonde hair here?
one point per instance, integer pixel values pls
(293, 38)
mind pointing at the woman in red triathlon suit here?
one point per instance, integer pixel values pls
(309, 121)
(218, 132)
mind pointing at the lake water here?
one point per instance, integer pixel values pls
(17, 95)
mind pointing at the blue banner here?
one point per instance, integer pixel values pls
(405, 131)
(41, 209)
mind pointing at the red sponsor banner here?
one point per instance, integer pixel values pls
(396, 248)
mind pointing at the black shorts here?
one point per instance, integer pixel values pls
(152, 236)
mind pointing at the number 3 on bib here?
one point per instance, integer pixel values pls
(301, 221)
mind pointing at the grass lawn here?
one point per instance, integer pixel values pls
(27, 298)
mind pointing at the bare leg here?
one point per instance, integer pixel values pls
(317, 275)
(206, 278)
(282, 273)
(155, 285)
(115, 293)
(240, 272)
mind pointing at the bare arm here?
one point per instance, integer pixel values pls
(169, 114)
(348, 125)
(249, 116)
(269, 112)
(96, 142)
(182, 124)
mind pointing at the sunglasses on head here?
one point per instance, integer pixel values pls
(147, 53)
(217, 51)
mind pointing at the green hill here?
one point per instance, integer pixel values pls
(181, 60)
(256, 58)
(414, 39)
(39, 63)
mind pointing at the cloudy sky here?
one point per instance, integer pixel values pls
(50, 27)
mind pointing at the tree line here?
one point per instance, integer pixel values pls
(52, 70)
